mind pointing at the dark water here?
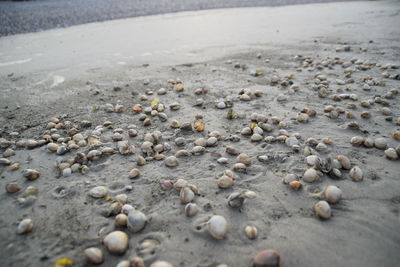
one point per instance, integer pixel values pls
(32, 16)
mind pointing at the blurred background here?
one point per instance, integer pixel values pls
(31, 16)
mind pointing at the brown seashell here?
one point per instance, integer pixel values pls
(295, 185)
(251, 232)
(12, 187)
(267, 258)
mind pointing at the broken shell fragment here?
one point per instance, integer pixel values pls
(217, 227)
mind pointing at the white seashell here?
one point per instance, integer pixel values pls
(356, 174)
(171, 161)
(256, 137)
(217, 227)
(357, 140)
(380, 143)
(98, 191)
(116, 242)
(322, 209)
(212, 141)
(310, 175)
(258, 130)
(198, 150)
(186, 195)
(200, 142)
(180, 183)
(136, 221)
(121, 198)
(391, 153)
(290, 178)
(161, 264)
(124, 263)
(25, 226)
(321, 147)
(251, 232)
(222, 160)
(94, 255)
(239, 167)
(312, 160)
(332, 194)
(191, 209)
(246, 131)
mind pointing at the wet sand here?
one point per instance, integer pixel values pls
(363, 228)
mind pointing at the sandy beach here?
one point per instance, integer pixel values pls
(310, 87)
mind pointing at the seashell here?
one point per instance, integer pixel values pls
(321, 147)
(251, 232)
(236, 200)
(180, 141)
(239, 167)
(137, 262)
(267, 258)
(222, 160)
(125, 209)
(25, 226)
(365, 115)
(31, 174)
(136, 221)
(198, 150)
(121, 198)
(291, 141)
(4, 161)
(391, 153)
(121, 220)
(9, 153)
(396, 135)
(225, 181)
(249, 194)
(335, 173)
(311, 142)
(353, 125)
(84, 169)
(94, 255)
(258, 130)
(357, 140)
(124, 263)
(116, 242)
(200, 142)
(217, 227)
(182, 153)
(212, 141)
(368, 142)
(134, 173)
(191, 209)
(12, 187)
(380, 143)
(30, 144)
(312, 160)
(356, 174)
(310, 175)
(94, 155)
(161, 264)
(302, 117)
(322, 209)
(246, 131)
(171, 161)
(186, 195)
(141, 161)
(332, 194)
(14, 166)
(232, 151)
(344, 161)
(98, 192)
(175, 106)
(295, 185)
(244, 158)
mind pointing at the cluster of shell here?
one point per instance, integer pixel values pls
(78, 146)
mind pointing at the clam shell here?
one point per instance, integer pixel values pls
(98, 192)
(251, 232)
(356, 174)
(191, 209)
(94, 255)
(225, 181)
(217, 227)
(344, 161)
(295, 185)
(124, 263)
(116, 242)
(391, 153)
(310, 175)
(186, 195)
(322, 209)
(136, 221)
(31, 174)
(134, 173)
(332, 194)
(161, 264)
(380, 143)
(13, 187)
(239, 167)
(25, 226)
(357, 140)
(137, 262)
(236, 200)
(267, 258)
(171, 161)
(244, 158)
